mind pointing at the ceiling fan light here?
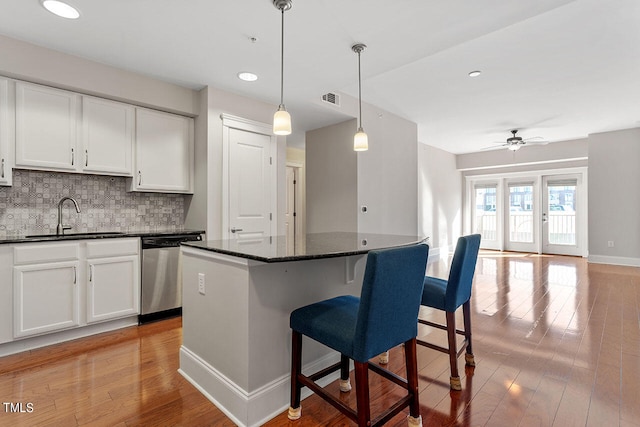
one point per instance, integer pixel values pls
(282, 121)
(360, 141)
(514, 147)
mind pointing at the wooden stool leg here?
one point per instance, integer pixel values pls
(345, 384)
(454, 380)
(296, 368)
(362, 393)
(411, 361)
(466, 312)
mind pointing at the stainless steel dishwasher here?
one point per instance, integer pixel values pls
(161, 294)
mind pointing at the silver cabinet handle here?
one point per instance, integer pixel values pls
(2, 174)
(91, 273)
(233, 229)
(75, 275)
(139, 177)
(86, 158)
(73, 157)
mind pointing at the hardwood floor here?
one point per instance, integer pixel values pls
(556, 340)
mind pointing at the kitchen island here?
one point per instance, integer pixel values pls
(237, 298)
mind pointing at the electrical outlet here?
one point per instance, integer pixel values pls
(610, 243)
(201, 284)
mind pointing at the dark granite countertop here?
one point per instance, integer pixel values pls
(311, 246)
(30, 238)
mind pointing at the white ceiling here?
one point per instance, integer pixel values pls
(559, 69)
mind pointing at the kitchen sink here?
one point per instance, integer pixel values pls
(72, 235)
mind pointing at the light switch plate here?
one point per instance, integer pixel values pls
(201, 284)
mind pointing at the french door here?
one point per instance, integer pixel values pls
(561, 215)
(542, 213)
(521, 213)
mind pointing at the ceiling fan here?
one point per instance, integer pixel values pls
(514, 142)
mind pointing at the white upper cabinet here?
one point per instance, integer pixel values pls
(46, 128)
(6, 132)
(107, 136)
(164, 152)
(64, 131)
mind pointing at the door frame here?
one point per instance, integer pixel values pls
(234, 122)
(298, 197)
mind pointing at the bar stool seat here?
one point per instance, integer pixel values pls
(383, 317)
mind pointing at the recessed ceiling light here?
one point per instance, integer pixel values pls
(61, 9)
(475, 73)
(247, 77)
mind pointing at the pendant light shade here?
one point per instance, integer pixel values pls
(282, 119)
(360, 139)
(282, 122)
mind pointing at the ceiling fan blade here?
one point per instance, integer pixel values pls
(536, 142)
(532, 138)
(494, 148)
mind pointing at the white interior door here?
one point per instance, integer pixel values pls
(561, 216)
(250, 188)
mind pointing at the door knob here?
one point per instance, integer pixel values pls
(233, 229)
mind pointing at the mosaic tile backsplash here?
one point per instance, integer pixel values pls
(30, 206)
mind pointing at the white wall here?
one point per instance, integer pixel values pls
(331, 186)
(440, 199)
(36, 64)
(196, 205)
(385, 177)
(614, 199)
(388, 174)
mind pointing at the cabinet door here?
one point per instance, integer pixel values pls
(45, 298)
(164, 152)
(114, 288)
(6, 133)
(107, 134)
(46, 128)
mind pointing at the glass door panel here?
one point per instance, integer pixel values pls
(521, 230)
(485, 219)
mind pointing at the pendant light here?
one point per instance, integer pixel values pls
(360, 139)
(282, 119)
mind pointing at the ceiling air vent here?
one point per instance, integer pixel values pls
(331, 98)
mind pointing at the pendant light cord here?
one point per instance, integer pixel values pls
(359, 91)
(282, 59)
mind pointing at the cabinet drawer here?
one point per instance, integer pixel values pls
(113, 247)
(45, 252)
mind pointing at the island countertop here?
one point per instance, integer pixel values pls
(311, 246)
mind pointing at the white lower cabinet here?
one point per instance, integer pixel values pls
(46, 298)
(64, 285)
(114, 288)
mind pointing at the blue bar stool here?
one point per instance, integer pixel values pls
(383, 317)
(448, 296)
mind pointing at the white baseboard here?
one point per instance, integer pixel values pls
(246, 409)
(615, 260)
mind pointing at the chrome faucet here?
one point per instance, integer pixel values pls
(60, 228)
